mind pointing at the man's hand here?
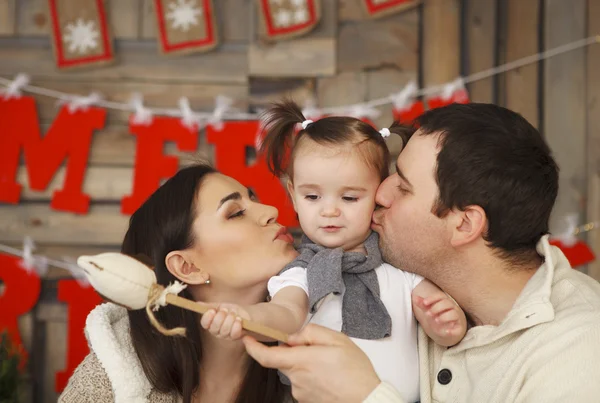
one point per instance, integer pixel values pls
(323, 365)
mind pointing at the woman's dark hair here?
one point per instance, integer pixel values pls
(493, 158)
(172, 364)
(280, 144)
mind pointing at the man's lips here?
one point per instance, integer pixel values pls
(284, 235)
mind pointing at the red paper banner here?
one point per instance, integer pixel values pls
(151, 165)
(21, 292)
(577, 254)
(68, 138)
(81, 300)
(379, 8)
(289, 18)
(80, 33)
(185, 26)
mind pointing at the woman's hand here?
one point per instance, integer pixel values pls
(225, 321)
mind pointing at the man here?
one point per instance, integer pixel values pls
(468, 208)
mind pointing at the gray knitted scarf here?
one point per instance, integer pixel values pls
(332, 270)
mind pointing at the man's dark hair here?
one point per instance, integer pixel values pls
(492, 157)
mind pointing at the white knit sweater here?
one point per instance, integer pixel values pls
(546, 350)
(112, 371)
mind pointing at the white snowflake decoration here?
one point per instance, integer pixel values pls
(301, 15)
(283, 18)
(81, 36)
(183, 14)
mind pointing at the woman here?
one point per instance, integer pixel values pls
(208, 231)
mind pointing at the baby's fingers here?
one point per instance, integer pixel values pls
(207, 319)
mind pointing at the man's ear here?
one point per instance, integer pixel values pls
(180, 265)
(290, 189)
(468, 225)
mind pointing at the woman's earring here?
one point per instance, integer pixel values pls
(207, 282)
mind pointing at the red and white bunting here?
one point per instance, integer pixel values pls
(379, 8)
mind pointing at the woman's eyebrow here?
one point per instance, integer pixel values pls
(232, 196)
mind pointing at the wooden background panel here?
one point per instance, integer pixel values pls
(593, 134)
(565, 105)
(309, 55)
(481, 48)
(520, 89)
(391, 41)
(136, 61)
(201, 96)
(32, 18)
(103, 225)
(264, 91)
(441, 41)
(7, 17)
(124, 18)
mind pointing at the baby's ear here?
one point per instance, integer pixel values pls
(290, 189)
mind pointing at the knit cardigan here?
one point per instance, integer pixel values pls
(112, 371)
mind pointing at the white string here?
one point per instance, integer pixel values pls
(333, 110)
(51, 262)
(175, 288)
(143, 115)
(13, 90)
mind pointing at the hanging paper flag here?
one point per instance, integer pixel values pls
(453, 92)
(406, 109)
(80, 33)
(578, 253)
(379, 8)
(185, 26)
(284, 19)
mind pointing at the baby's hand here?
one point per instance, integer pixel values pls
(441, 318)
(225, 321)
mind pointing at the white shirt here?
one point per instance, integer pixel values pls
(394, 358)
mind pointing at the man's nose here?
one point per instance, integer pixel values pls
(383, 196)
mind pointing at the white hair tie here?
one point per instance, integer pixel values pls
(385, 132)
(306, 123)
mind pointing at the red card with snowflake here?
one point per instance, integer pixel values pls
(284, 19)
(379, 8)
(80, 33)
(185, 26)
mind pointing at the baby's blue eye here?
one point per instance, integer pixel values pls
(311, 197)
(349, 198)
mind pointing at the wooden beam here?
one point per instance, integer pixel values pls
(520, 89)
(481, 47)
(7, 17)
(441, 41)
(565, 105)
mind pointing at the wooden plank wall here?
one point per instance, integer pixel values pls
(347, 58)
